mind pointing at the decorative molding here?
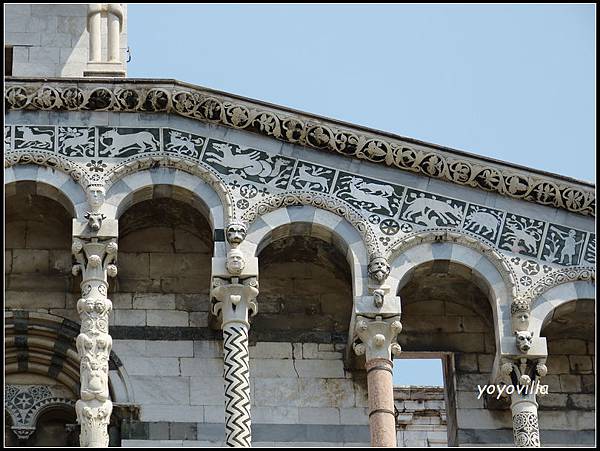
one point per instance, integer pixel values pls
(139, 163)
(448, 236)
(296, 128)
(317, 200)
(50, 160)
(559, 277)
(25, 403)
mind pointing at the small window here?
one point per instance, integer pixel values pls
(8, 60)
(422, 372)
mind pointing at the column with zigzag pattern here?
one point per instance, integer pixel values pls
(237, 385)
(235, 301)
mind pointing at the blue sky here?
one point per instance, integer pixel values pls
(511, 82)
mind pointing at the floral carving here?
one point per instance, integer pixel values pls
(202, 105)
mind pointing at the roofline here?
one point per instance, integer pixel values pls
(169, 96)
(370, 130)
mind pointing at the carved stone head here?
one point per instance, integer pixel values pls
(235, 261)
(378, 298)
(95, 196)
(379, 268)
(520, 314)
(235, 233)
(524, 340)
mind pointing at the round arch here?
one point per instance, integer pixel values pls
(142, 185)
(50, 183)
(484, 270)
(44, 344)
(310, 221)
(544, 305)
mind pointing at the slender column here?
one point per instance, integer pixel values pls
(115, 23)
(524, 375)
(93, 23)
(235, 299)
(95, 262)
(378, 343)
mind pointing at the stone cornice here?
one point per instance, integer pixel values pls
(170, 96)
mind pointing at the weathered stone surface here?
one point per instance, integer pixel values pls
(207, 391)
(167, 318)
(325, 393)
(154, 301)
(271, 350)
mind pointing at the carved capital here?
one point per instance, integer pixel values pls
(376, 338)
(94, 417)
(522, 371)
(23, 432)
(233, 300)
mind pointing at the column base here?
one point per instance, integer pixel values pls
(95, 69)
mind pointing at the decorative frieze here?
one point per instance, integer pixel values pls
(315, 133)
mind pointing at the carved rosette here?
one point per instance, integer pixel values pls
(233, 301)
(95, 261)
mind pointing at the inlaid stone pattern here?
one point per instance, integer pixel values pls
(590, 250)
(248, 164)
(77, 141)
(35, 138)
(127, 142)
(253, 176)
(369, 195)
(563, 245)
(431, 210)
(23, 403)
(522, 235)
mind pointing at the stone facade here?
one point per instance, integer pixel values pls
(185, 267)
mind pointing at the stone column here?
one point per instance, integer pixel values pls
(378, 343)
(95, 262)
(95, 250)
(115, 23)
(235, 300)
(524, 375)
(93, 25)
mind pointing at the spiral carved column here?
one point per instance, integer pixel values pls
(235, 300)
(378, 343)
(95, 262)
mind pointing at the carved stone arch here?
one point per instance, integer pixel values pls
(132, 172)
(44, 344)
(490, 271)
(317, 222)
(49, 183)
(320, 201)
(463, 239)
(543, 306)
(49, 160)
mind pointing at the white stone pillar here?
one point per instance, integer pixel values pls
(378, 343)
(93, 24)
(115, 25)
(523, 377)
(95, 262)
(235, 301)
